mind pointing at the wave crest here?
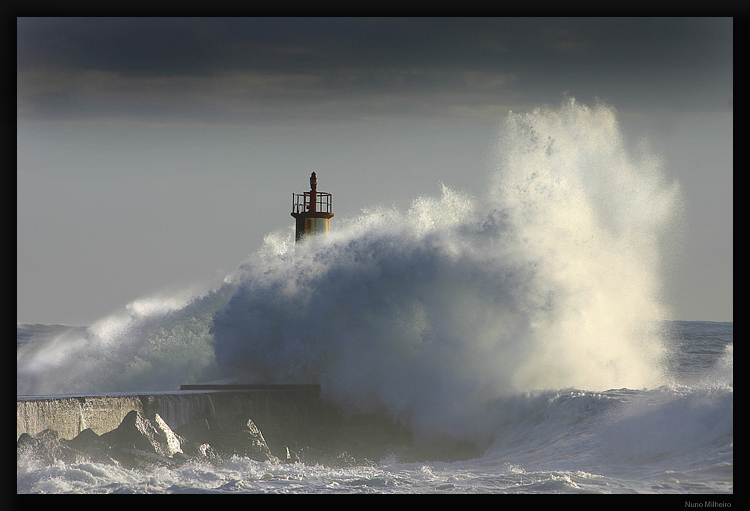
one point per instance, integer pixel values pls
(549, 280)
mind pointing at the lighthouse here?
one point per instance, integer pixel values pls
(311, 210)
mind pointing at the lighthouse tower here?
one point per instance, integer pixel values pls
(312, 210)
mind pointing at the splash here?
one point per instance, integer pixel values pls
(153, 344)
(551, 279)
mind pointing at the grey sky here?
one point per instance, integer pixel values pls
(155, 153)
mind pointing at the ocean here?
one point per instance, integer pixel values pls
(528, 320)
(675, 439)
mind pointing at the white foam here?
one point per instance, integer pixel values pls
(550, 280)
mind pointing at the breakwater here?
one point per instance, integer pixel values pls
(286, 415)
(289, 417)
(282, 410)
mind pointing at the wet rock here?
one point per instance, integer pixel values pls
(147, 443)
(137, 432)
(133, 458)
(32, 447)
(242, 437)
(329, 457)
(92, 445)
(24, 441)
(47, 447)
(170, 439)
(204, 452)
(180, 458)
(87, 439)
(289, 456)
(195, 438)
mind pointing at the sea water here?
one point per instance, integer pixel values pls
(675, 439)
(528, 320)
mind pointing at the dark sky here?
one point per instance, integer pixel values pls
(182, 67)
(155, 152)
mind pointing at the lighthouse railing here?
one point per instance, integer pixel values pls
(301, 202)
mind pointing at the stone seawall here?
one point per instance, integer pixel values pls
(69, 415)
(293, 417)
(286, 415)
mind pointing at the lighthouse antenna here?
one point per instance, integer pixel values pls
(313, 207)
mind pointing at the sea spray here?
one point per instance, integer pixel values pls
(549, 280)
(154, 344)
